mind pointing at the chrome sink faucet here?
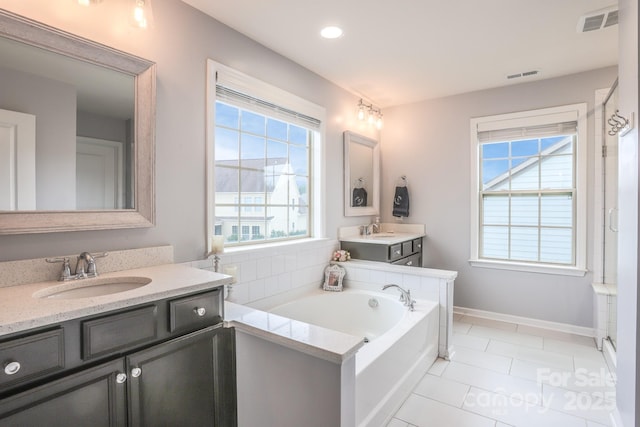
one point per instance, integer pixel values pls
(85, 267)
(405, 296)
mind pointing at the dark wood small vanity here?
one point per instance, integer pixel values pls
(398, 251)
(165, 362)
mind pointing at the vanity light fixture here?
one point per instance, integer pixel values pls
(88, 3)
(331, 32)
(370, 113)
(141, 13)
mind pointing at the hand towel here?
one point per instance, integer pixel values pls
(401, 202)
(359, 197)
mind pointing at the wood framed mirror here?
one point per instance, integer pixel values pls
(90, 80)
(361, 175)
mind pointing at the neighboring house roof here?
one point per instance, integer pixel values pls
(254, 175)
(524, 166)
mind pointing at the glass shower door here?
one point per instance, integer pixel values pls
(610, 197)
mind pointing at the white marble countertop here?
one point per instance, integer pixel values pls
(316, 341)
(384, 238)
(20, 310)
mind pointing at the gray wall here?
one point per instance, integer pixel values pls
(180, 41)
(429, 143)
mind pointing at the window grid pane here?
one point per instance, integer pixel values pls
(262, 177)
(527, 200)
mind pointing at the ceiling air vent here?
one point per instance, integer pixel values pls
(599, 19)
(523, 74)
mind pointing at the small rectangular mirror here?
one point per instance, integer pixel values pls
(361, 175)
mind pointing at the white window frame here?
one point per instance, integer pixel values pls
(543, 116)
(244, 83)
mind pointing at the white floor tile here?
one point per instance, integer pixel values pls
(438, 367)
(499, 424)
(558, 335)
(495, 324)
(495, 382)
(423, 412)
(397, 423)
(470, 341)
(593, 406)
(483, 360)
(443, 390)
(461, 327)
(571, 348)
(528, 354)
(590, 362)
(507, 336)
(513, 411)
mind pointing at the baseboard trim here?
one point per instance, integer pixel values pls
(527, 321)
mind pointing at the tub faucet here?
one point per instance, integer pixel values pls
(405, 296)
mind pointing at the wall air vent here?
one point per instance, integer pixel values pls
(598, 19)
(523, 74)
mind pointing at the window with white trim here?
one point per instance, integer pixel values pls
(529, 190)
(261, 165)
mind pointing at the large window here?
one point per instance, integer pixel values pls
(262, 162)
(529, 196)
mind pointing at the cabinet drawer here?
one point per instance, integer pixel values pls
(196, 311)
(395, 252)
(417, 245)
(118, 331)
(29, 357)
(410, 261)
(407, 248)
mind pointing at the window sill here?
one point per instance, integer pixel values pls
(529, 268)
(248, 248)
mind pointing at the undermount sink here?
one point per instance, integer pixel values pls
(87, 288)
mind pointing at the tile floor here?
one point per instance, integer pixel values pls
(504, 374)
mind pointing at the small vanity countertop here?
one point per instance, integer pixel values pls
(390, 234)
(384, 238)
(333, 346)
(20, 311)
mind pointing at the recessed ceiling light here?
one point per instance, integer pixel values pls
(331, 32)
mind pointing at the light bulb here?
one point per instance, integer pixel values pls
(371, 117)
(379, 122)
(361, 112)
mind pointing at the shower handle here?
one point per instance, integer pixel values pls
(611, 227)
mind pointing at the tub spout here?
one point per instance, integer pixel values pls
(405, 296)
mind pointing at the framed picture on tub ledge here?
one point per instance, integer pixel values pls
(333, 276)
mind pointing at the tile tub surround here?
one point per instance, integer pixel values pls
(20, 311)
(26, 271)
(270, 270)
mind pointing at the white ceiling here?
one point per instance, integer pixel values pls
(403, 51)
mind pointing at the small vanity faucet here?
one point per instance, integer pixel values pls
(85, 267)
(405, 296)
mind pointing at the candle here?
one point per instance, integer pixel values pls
(217, 244)
(231, 270)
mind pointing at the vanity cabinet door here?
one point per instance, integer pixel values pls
(94, 397)
(180, 382)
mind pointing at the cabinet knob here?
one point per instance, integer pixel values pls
(410, 263)
(136, 372)
(121, 378)
(200, 311)
(397, 252)
(11, 368)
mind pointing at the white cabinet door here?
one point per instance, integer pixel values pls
(99, 174)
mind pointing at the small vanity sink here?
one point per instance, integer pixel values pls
(87, 288)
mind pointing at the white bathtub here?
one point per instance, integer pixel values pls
(402, 344)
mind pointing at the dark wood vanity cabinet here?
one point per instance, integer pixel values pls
(408, 252)
(167, 379)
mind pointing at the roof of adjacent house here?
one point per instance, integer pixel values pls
(253, 175)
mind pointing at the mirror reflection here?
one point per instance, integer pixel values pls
(362, 175)
(66, 132)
